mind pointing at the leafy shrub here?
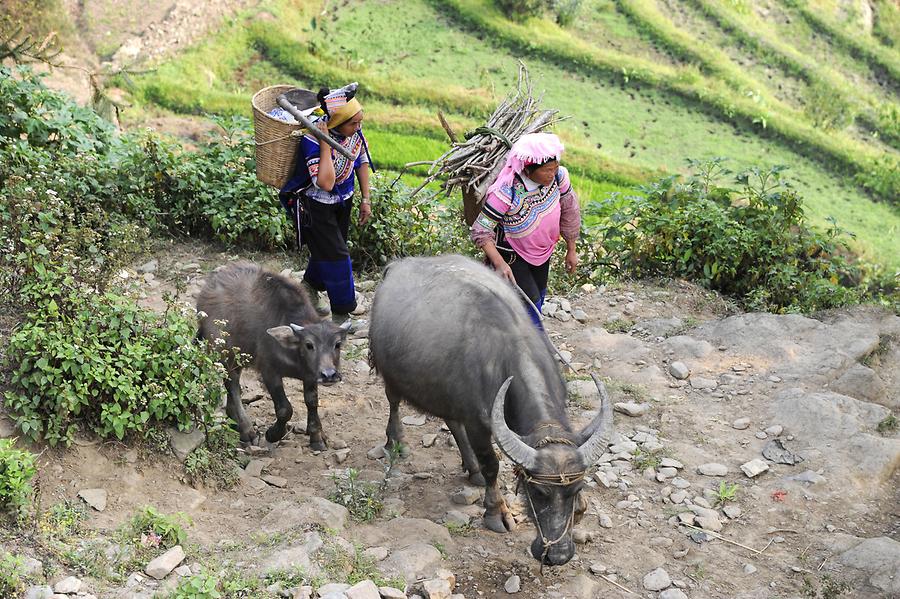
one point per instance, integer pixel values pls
(404, 226)
(211, 192)
(752, 241)
(12, 575)
(362, 499)
(566, 11)
(198, 586)
(826, 107)
(16, 472)
(150, 528)
(882, 178)
(214, 462)
(522, 9)
(46, 118)
(100, 360)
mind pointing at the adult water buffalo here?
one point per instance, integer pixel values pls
(246, 309)
(453, 339)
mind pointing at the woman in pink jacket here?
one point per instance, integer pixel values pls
(527, 209)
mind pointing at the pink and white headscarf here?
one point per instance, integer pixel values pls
(533, 148)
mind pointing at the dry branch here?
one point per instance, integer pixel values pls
(472, 165)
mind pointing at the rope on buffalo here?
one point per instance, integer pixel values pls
(563, 481)
(541, 318)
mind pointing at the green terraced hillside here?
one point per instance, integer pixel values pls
(648, 84)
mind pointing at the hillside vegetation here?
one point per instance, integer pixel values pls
(648, 84)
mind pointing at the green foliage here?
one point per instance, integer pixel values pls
(362, 499)
(47, 119)
(100, 361)
(888, 424)
(522, 9)
(726, 492)
(751, 241)
(198, 586)
(214, 462)
(348, 567)
(882, 178)
(12, 575)
(17, 467)
(62, 520)
(646, 459)
(567, 11)
(210, 192)
(887, 22)
(827, 108)
(404, 226)
(150, 528)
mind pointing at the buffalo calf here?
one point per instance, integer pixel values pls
(247, 310)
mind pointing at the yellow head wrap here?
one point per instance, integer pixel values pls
(341, 115)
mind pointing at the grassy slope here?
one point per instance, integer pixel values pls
(413, 59)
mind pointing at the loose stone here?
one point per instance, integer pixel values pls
(754, 467)
(513, 584)
(713, 469)
(657, 580)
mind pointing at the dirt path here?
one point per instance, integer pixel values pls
(749, 373)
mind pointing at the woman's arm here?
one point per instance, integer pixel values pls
(497, 261)
(365, 207)
(570, 226)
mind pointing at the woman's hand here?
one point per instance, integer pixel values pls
(571, 261)
(505, 272)
(365, 212)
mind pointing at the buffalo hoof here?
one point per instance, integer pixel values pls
(318, 445)
(477, 479)
(502, 523)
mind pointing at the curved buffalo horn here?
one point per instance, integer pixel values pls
(296, 328)
(595, 436)
(510, 443)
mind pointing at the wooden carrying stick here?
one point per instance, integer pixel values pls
(284, 103)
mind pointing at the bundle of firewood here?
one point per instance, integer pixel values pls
(472, 165)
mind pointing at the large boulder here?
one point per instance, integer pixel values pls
(795, 347)
(878, 560)
(286, 515)
(840, 431)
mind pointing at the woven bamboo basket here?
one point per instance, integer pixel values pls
(277, 141)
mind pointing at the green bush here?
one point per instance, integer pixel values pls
(214, 462)
(149, 527)
(16, 472)
(406, 226)
(99, 360)
(198, 586)
(751, 242)
(522, 9)
(12, 575)
(826, 107)
(887, 22)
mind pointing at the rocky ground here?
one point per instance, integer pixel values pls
(753, 458)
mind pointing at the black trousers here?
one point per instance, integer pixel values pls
(324, 229)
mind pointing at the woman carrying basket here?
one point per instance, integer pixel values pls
(527, 209)
(319, 196)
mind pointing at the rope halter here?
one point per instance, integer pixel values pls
(562, 479)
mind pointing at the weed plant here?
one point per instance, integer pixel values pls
(12, 575)
(17, 468)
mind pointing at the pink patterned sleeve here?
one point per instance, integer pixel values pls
(569, 209)
(485, 225)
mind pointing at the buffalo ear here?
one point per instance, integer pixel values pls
(284, 335)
